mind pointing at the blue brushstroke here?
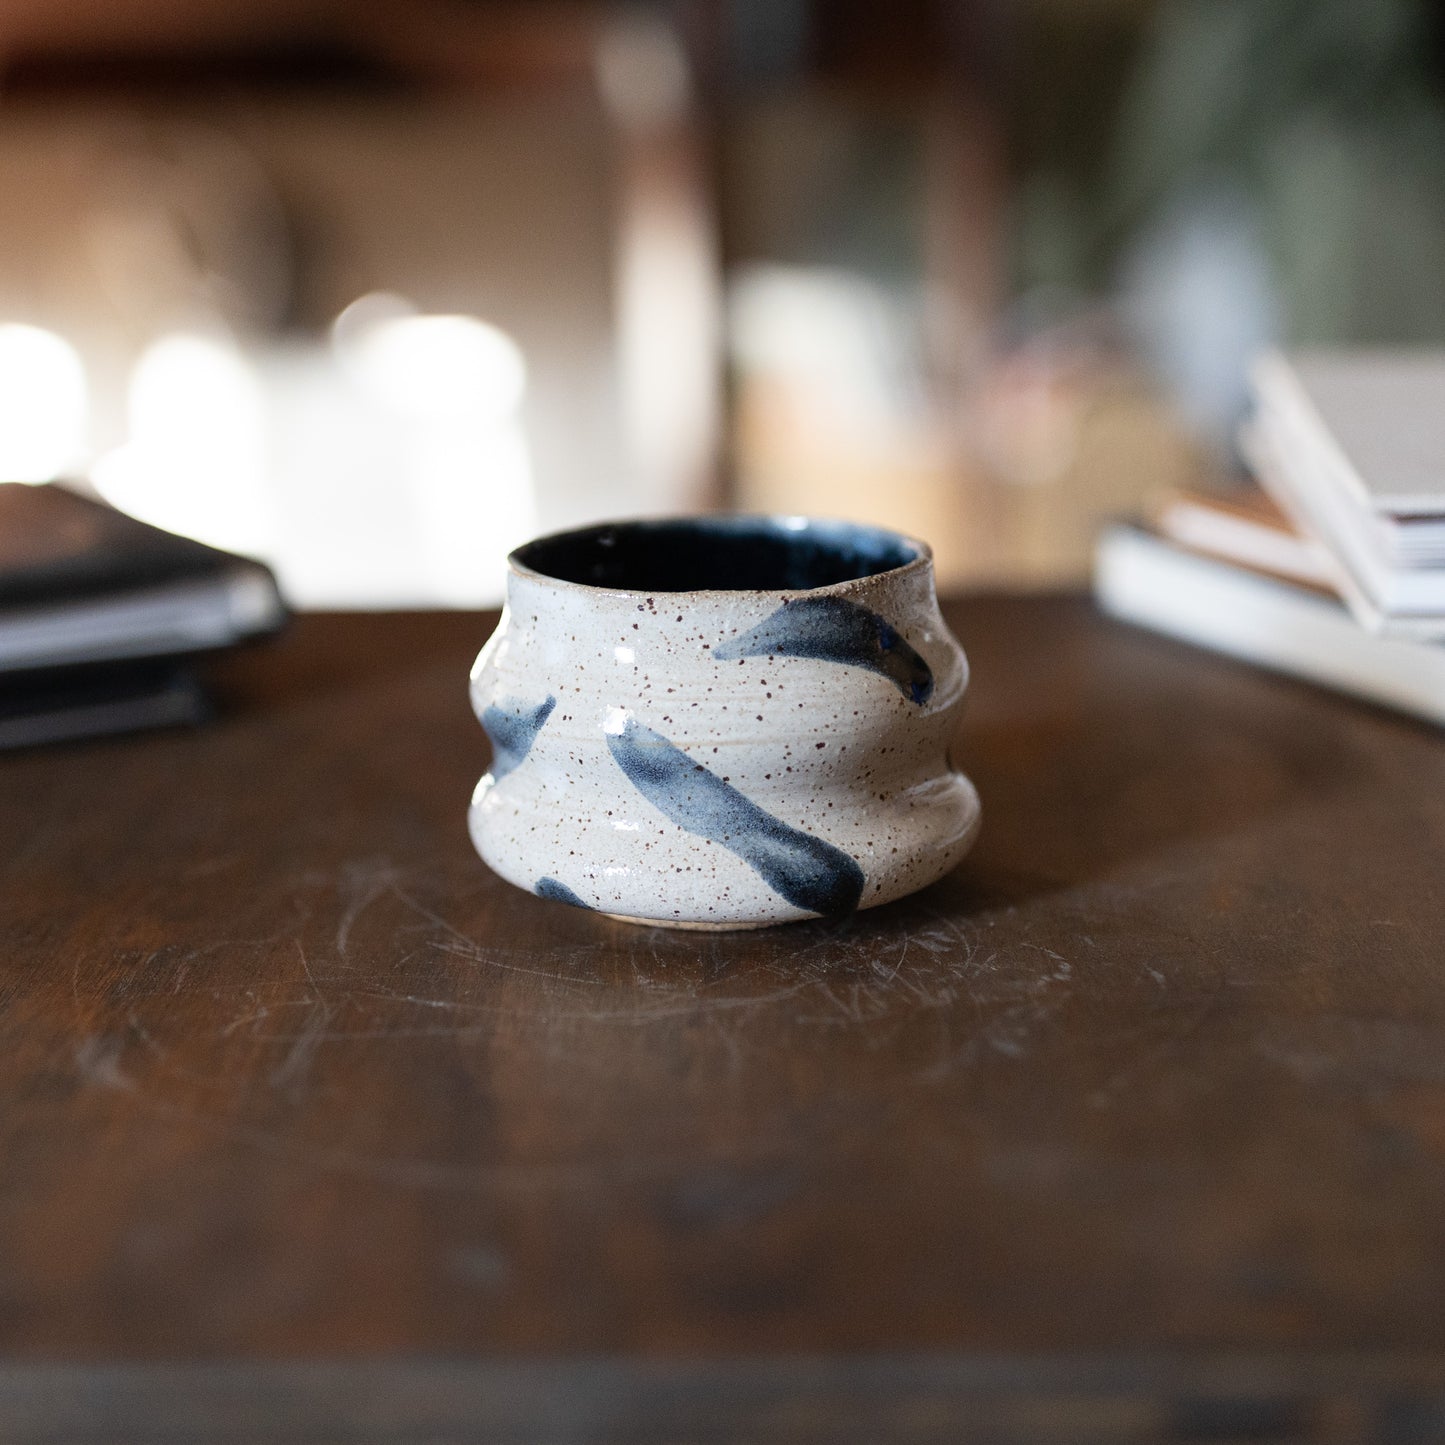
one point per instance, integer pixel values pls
(513, 726)
(805, 870)
(558, 892)
(833, 629)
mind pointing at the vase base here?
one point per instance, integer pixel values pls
(687, 926)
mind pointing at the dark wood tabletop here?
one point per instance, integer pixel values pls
(304, 1112)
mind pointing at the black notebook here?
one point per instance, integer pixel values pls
(100, 615)
(82, 583)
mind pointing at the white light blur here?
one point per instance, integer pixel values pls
(614, 721)
(642, 72)
(625, 655)
(473, 500)
(44, 405)
(832, 337)
(195, 461)
(429, 367)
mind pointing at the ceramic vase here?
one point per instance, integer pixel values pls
(722, 722)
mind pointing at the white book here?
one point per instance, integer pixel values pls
(1411, 541)
(1407, 602)
(1377, 417)
(1395, 543)
(1297, 392)
(1142, 579)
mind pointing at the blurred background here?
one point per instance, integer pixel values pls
(373, 291)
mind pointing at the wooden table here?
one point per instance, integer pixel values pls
(1134, 1128)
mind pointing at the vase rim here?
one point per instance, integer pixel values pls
(822, 555)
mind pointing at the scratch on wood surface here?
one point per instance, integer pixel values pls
(492, 958)
(892, 986)
(928, 992)
(631, 1017)
(306, 968)
(1339, 1049)
(293, 1070)
(97, 1060)
(256, 1015)
(431, 916)
(1144, 1055)
(362, 883)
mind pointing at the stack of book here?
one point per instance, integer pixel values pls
(102, 617)
(1331, 564)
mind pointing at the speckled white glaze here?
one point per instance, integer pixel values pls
(838, 752)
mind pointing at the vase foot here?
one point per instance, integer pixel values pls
(688, 926)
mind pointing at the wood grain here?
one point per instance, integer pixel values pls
(286, 1073)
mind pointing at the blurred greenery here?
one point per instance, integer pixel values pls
(1325, 116)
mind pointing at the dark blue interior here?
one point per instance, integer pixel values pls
(729, 554)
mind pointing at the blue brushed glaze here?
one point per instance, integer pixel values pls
(833, 629)
(805, 870)
(513, 726)
(558, 892)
